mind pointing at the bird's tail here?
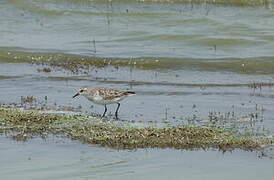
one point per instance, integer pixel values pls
(129, 93)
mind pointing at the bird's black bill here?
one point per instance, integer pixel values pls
(75, 95)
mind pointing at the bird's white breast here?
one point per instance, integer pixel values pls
(100, 100)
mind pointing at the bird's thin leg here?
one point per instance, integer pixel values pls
(104, 111)
(116, 113)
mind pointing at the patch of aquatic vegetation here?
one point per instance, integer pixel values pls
(224, 2)
(84, 64)
(252, 85)
(251, 122)
(45, 69)
(7, 77)
(27, 103)
(22, 125)
(265, 3)
(74, 63)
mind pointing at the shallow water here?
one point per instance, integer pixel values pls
(163, 98)
(138, 29)
(57, 158)
(211, 59)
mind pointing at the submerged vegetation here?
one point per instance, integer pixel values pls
(22, 125)
(224, 2)
(83, 64)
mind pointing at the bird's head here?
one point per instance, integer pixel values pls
(82, 91)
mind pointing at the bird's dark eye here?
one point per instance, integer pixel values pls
(81, 90)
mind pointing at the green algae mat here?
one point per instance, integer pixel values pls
(22, 125)
(82, 64)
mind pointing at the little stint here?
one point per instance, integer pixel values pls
(104, 96)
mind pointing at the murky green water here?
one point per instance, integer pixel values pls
(123, 29)
(201, 59)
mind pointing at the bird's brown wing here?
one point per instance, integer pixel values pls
(110, 93)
